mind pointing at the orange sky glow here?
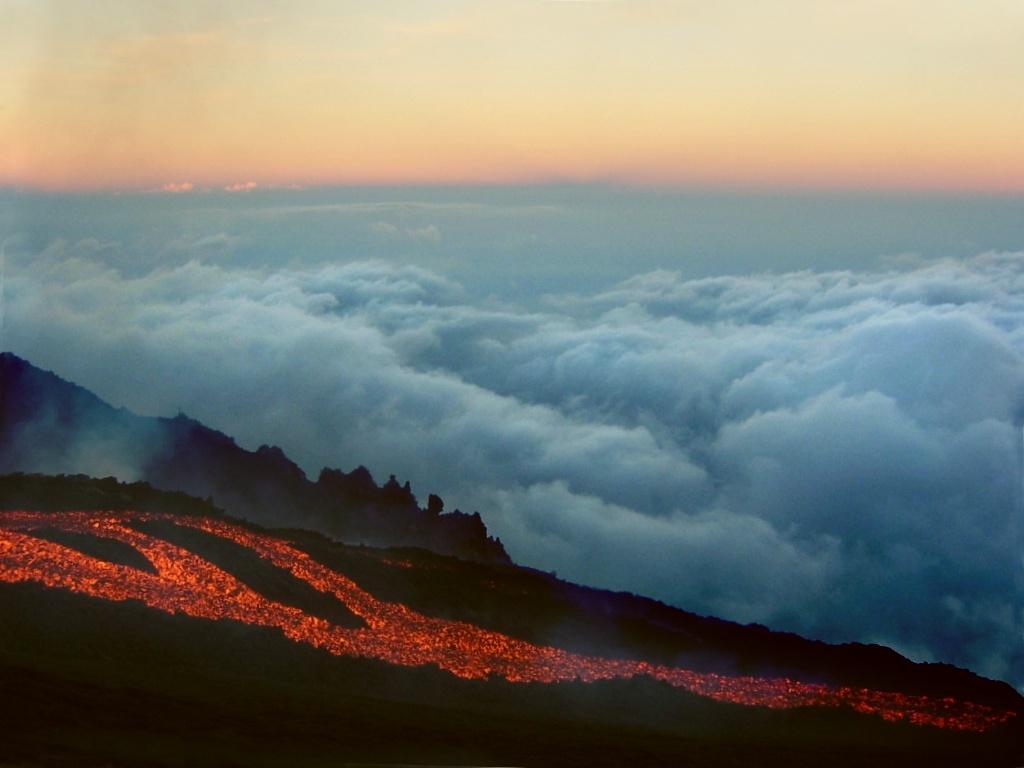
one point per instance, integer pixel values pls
(797, 93)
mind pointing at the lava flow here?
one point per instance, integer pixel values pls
(188, 584)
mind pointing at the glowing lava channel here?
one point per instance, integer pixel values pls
(188, 584)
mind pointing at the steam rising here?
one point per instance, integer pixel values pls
(836, 453)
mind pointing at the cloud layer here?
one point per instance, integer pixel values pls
(828, 452)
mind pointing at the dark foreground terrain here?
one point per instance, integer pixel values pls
(86, 681)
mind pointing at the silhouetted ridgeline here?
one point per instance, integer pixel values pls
(49, 425)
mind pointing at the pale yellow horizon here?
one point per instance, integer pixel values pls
(904, 94)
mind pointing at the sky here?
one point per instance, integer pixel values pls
(717, 303)
(117, 94)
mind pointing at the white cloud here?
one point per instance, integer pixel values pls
(177, 187)
(831, 452)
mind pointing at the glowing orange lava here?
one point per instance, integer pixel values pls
(188, 584)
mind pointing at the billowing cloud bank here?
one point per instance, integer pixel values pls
(832, 453)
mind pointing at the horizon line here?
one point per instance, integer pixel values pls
(188, 189)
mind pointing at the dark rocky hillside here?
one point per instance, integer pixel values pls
(534, 605)
(52, 426)
(95, 682)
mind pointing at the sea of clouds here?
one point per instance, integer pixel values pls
(830, 452)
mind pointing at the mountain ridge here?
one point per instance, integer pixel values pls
(54, 426)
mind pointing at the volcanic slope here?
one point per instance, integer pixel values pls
(125, 628)
(50, 425)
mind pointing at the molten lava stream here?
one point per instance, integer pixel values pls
(188, 584)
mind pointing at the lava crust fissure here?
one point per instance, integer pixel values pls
(100, 547)
(257, 573)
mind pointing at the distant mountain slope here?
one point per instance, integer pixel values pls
(52, 426)
(157, 616)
